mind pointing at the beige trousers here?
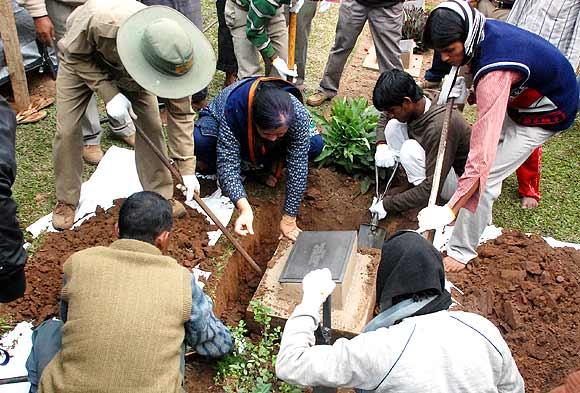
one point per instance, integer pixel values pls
(180, 118)
(489, 10)
(247, 54)
(72, 98)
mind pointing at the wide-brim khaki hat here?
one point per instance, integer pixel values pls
(151, 43)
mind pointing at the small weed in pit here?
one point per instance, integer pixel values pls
(7, 323)
(250, 368)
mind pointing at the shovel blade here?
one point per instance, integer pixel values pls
(371, 236)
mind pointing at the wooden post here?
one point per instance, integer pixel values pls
(13, 56)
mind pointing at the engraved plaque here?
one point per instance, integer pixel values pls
(317, 250)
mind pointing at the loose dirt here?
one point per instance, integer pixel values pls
(531, 291)
(44, 268)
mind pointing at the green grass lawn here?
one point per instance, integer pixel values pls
(558, 215)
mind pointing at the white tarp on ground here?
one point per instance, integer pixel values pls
(116, 177)
(491, 232)
(17, 343)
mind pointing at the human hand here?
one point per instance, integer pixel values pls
(244, 223)
(459, 90)
(120, 109)
(434, 217)
(44, 30)
(384, 156)
(283, 69)
(288, 228)
(297, 6)
(316, 286)
(378, 208)
(189, 186)
(324, 6)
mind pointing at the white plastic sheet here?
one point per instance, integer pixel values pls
(116, 177)
(18, 344)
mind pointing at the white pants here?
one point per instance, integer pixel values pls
(515, 146)
(411, 155)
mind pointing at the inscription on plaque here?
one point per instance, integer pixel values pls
(317, 250)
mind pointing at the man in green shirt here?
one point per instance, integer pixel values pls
(260, 26)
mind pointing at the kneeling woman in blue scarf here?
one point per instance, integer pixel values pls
(258, 121)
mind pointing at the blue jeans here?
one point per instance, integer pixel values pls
(46, 343)
(438, 69)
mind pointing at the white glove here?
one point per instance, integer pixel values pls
(384, 156)
(434, 217)
(120, 109)
(378, 208)
(324, 6)
(459, 90)
(297, 6)
(189, 186)
(283, 69)
(316, 286)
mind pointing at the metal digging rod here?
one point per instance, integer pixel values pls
(200, 201)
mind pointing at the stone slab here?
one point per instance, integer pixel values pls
(347, 321)
(317, 250)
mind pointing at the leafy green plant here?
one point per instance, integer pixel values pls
(250, 368)
(349, 138)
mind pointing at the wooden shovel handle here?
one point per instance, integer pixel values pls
(429, 235)
(292, 41)
(200, 201)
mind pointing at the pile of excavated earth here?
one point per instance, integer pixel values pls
(530, 290)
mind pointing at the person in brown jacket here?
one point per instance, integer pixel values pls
(127, 312)
(411, 137)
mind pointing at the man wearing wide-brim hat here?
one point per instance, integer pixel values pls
(127, 53)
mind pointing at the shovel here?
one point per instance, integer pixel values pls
(200, 201)
(372, 235)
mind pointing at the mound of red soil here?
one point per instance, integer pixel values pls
(531, 291)
(528, 289)
(44, 268)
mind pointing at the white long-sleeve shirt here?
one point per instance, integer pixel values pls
(446, 352)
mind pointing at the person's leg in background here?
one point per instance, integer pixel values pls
(278, 33)
(352, 17)
(435, 74)
(153, 175)
(72, 99)
(529, 175)
(226, 61)
(199, 99)
(517, 143)
(412, 158)
(247, 54)
(58, 12)
(46, 343)
(303, 28)
(491, 11)
(386, 24)
(179, 131)
(205, 144)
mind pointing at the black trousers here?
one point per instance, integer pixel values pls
(226, 61)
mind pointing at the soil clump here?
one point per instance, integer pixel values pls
(531, 292)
